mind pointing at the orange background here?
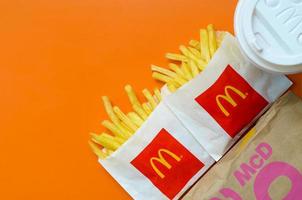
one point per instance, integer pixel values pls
(57, 58)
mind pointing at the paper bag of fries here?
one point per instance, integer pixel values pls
(266, 164)
(221, 103)
(160, 161)
(149, 152)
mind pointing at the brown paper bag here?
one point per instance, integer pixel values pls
(266, 164)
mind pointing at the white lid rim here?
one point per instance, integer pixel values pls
(286, 68)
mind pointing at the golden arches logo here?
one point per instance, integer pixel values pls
(228, 98)
(160, 159)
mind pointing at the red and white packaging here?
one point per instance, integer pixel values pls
(160, 161)
(222, 102)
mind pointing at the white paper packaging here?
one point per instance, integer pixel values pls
(160, 161)
(219, 104)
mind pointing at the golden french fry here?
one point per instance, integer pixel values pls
(140, 111)
(110, 126)
(115, 130)
(149, 97)
(113, 117)
(171, 87)
(190, 55)
(163, 71)
(149, 105)
(156, 99)
(187, 53)
(124, 118)
(157, 94)
(195, 44)
(186, 71)
(116, 139)
(147, 108)
(97, 151)
(119, 140)
(201, 60)
(161, 77)
(127, 128)
(106, 140)
(204, 44)
(135, 118)
(212, 39)
(194, 68)
(180, 81)
(132, 96)
(184, 50)
(195, 52)
(176, 57)
(177, 70)
(109, 109)
(124, 129)
(201, 67)
(108, 152)
(95, 137)
(164, 78)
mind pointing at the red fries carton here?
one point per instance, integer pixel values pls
(223, 101)
(160, 161)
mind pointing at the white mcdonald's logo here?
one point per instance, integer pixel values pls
(228, 98)
(160, 159)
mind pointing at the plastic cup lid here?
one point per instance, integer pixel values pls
(269, 33)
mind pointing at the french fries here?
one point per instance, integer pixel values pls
(132, 96)
(147, 108)
(157, 94)
(204, 44)
(101, 154)
(176, 57)
(105, 140)
(150, 98)
(135, 118)
(192, 59)
(184, 66)
(115, 130)
(212, 39)
(122, 126)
